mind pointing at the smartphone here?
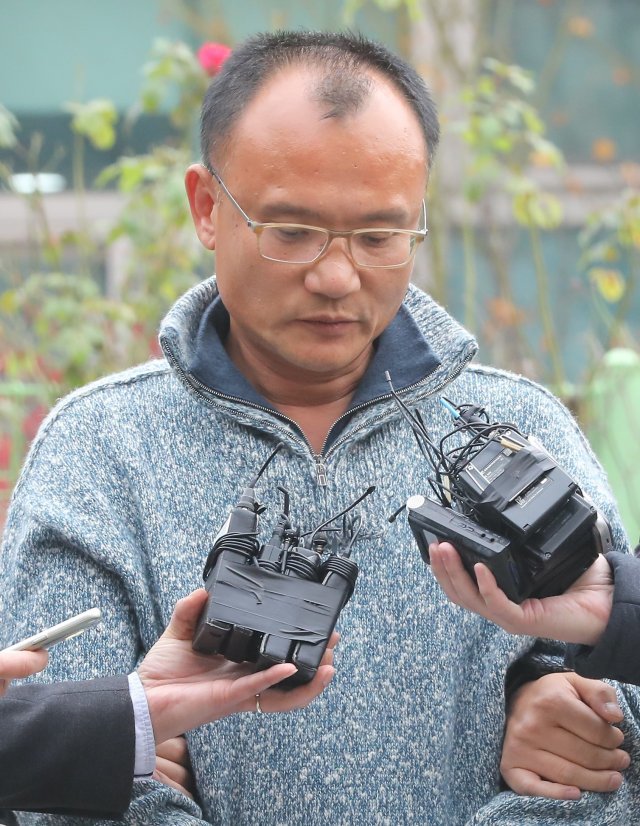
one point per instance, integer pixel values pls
(58, 633)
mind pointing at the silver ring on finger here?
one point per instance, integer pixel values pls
(258, 706)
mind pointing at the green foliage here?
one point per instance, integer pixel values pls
(58, 328)
(610, 242)
(165, 257)
(504, 140)
(66, 328)
(504, 135)
(173, 72)
(96, 121)
(613, 231)
(533, 207)
(57, 332)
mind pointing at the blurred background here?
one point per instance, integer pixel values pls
(534, 202)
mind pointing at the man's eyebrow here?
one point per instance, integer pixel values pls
(277, 211)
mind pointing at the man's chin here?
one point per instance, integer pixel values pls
(324, 363)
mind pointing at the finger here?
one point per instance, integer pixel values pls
(462, 588)
(276, 701)
(585, 727)
(497, 602)
(175, 750)
(186, 614)
(600, 697)
(525, 782)
(177, 773)
(574, 715)
(569, 774)
(14, 665)
(464, 584)
(565, 745)
(167, 780)
(245, 688)
(327, 657)
(587, 755)
(444, 568)
(272, 678)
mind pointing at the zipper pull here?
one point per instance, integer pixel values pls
(321, 472)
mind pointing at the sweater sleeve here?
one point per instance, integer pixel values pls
(74, 539)
(616, 654)
(509, 809)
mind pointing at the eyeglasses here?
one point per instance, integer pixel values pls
(376, 247)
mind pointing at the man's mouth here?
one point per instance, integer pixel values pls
(329, 324)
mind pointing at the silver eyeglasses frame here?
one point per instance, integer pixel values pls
(257, 227)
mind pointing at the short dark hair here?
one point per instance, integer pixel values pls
(342, 55)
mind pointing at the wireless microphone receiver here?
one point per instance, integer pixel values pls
(277, 602)
(501, 499)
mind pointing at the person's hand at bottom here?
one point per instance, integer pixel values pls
(560, 738)
(173, 766)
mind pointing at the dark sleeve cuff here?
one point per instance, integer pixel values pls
(71, 747)
(616, 654)
(545, 657)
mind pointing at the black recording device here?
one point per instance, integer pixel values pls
(276, 602)
(501, 499)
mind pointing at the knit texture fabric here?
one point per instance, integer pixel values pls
(121, 496)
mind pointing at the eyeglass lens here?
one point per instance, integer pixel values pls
(302, 245)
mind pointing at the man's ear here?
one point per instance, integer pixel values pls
(202, 200)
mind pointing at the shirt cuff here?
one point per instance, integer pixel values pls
(145, 756)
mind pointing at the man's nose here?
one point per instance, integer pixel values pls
(334, 274)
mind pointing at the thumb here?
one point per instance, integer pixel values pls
(599, 696)
(14, 665)
(186, 615)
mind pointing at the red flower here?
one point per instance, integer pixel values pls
(211, 56)
(32, 421)
(5, 452)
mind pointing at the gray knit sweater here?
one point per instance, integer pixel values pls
(125, 487)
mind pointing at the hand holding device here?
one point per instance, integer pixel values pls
(579, 615)
(28, 656)
(14, 665)
(186, 689)
(59, 633)
(502, 500)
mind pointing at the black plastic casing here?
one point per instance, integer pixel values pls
(265, 617)
(540, 565)
(431, 522)
(515, 491)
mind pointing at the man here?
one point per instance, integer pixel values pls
(317, 149)
(75, 746)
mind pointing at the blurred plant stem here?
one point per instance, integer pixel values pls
(544, 308)
(470, 275)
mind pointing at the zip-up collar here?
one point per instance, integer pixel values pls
(402, 349)
(423, 348)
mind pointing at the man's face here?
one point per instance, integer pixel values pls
(285, 162)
